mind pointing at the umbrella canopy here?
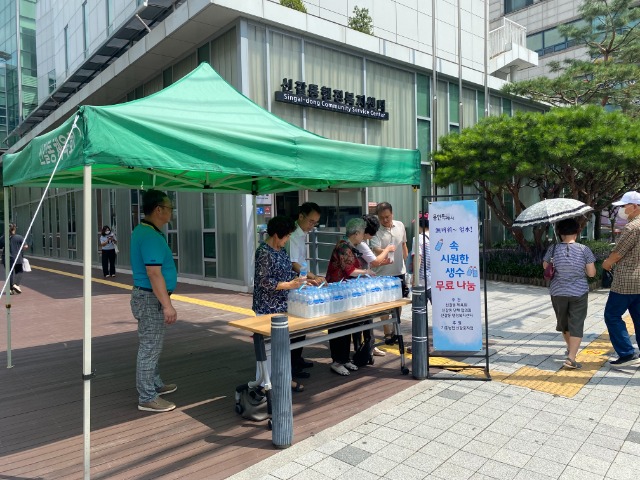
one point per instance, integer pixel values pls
(551, 211)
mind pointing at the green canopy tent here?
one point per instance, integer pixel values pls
(197, 134)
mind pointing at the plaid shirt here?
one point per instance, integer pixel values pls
(626, 276)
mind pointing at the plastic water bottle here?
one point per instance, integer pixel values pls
(308, 304)
(303, 270)
(292, 303)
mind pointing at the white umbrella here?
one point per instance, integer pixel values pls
(551, 211)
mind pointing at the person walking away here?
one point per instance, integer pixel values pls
(15, 241)
(274, 277)
(308, 218)
(108, 243)
(392, 232)
(154, 280)
(370, 260)
(625, 289)
(569, 289)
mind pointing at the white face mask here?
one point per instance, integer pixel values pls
(622, 214)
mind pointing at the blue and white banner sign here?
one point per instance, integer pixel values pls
(455, 275)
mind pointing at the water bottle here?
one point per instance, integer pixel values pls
(308, 304)
(303, 270)
(439, 244)
(292, 303)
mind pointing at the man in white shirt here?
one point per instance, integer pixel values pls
(392, 232)
(308, 218)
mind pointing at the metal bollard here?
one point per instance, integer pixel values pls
(419, 333)
(282, 412)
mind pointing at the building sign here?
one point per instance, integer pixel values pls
(326, 98)
(455, 275)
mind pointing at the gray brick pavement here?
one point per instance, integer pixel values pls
(461, 429)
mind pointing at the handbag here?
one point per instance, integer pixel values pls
(550, 270)
(117, 250)
(26, 266)
(607, 278)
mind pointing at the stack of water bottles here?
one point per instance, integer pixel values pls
(310, 302)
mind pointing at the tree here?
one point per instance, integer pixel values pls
(294, 4)
(584, 153)
(361, 20)
(610, 30)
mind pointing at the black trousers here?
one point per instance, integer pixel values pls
(340, 346)
(108, 262)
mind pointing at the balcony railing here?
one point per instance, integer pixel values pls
(501, 38)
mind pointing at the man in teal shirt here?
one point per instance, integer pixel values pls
(154, 279)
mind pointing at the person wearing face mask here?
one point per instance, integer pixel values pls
(108, 243)
(625, 289)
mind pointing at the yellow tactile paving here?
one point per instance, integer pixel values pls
(179, 298)
(565, 382)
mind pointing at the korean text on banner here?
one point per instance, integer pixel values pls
(455, 276)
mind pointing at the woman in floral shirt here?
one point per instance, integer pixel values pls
(345, 262)
(274, 276)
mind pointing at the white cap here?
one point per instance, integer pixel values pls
(629, 197)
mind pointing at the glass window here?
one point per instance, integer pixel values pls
(424, 96)
(209, 210)
(506, 106)
(534, 42)
(481, 106)
(511, 5)
(454, 103)
(203, 54)
(424, 140)
(209, 244)
(552, 38)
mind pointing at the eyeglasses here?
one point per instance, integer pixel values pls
(170, 207)
(311, 222)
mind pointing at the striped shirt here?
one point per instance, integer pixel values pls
(626, 275)
(570, 261)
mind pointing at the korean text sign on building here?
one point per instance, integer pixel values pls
(455, 275)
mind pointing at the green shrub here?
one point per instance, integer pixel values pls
(511, 260)
(361, 21)
(294, 4)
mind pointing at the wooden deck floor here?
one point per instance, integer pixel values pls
(41, 396)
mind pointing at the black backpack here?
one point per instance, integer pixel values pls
(364, 353)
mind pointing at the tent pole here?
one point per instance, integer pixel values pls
(7, 269)
(87, 374)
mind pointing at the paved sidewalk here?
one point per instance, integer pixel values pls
(463, 429)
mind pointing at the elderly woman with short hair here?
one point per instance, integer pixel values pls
(345, 262)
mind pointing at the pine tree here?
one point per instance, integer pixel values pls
(610, 74)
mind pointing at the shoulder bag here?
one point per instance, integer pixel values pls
(550, 270)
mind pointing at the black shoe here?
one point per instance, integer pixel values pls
(304, 364)
(390, 340)
(626, 360)
(300, 374)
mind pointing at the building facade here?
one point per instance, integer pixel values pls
(541, 19)
(429, 65)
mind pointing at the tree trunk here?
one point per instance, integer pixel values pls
(597, 225)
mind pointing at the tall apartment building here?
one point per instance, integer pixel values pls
(432, 62)
(18, 69)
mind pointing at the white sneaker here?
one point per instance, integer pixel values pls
(378, 353)
(17, 288)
